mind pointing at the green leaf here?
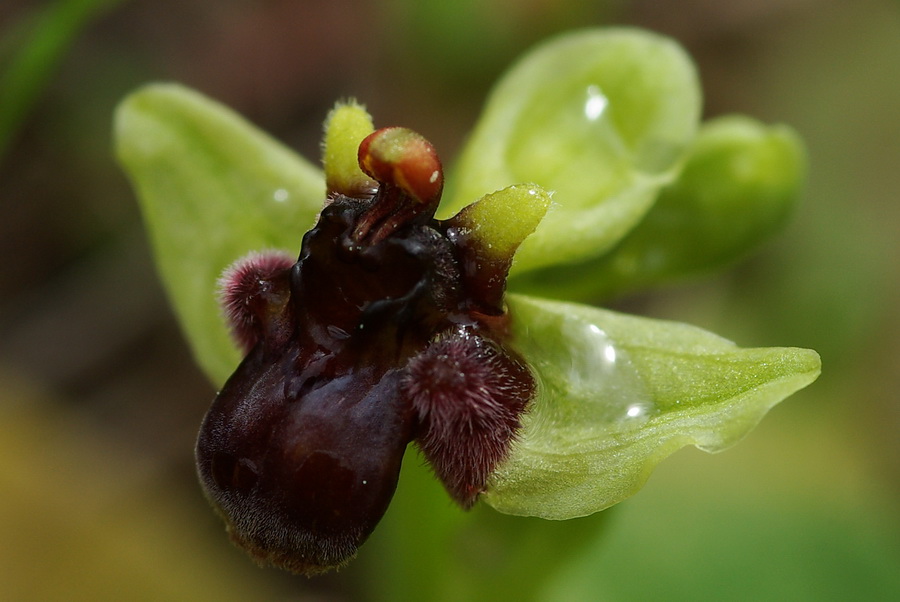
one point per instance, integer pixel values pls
(739, 184)
(211, 188)
(600, 117)
(617, 394)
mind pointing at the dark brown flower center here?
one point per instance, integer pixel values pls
(380, 333)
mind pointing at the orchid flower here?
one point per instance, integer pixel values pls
(369, 305)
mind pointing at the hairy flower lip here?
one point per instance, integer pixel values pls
(309, 515)
(387, 329)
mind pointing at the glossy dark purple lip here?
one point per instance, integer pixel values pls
(389, 328)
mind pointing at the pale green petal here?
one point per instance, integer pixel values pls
(601, 118)
(500, 221)
(738, 186)
(620, 393)
(211, 188)
(345, 127)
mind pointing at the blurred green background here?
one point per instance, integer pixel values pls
(100, 401)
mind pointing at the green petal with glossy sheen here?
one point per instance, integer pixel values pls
(618, 394)
(600, 117)
(211, 188)
(738, 186)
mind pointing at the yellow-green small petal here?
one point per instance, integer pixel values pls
(345, 127)
(503, 219)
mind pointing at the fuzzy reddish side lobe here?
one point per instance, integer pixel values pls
(246, 288)
(468, 395)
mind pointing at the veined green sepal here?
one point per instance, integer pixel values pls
(617, 394)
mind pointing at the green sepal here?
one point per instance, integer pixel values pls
(617, 394)
(740, 182)
(601, 118)
(211, 188)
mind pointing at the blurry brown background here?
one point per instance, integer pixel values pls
(100, 399)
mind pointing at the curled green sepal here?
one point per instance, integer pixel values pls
(602, 119)
(211, 188)
(617, 394)
(738, 186)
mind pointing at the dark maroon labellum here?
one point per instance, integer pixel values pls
(380, 333)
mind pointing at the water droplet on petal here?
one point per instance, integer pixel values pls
(601, 371)
(595, 104)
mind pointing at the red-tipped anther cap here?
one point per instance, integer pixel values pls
(403, 158)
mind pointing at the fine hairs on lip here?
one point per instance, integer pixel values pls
(468, 396)
(388, 328)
